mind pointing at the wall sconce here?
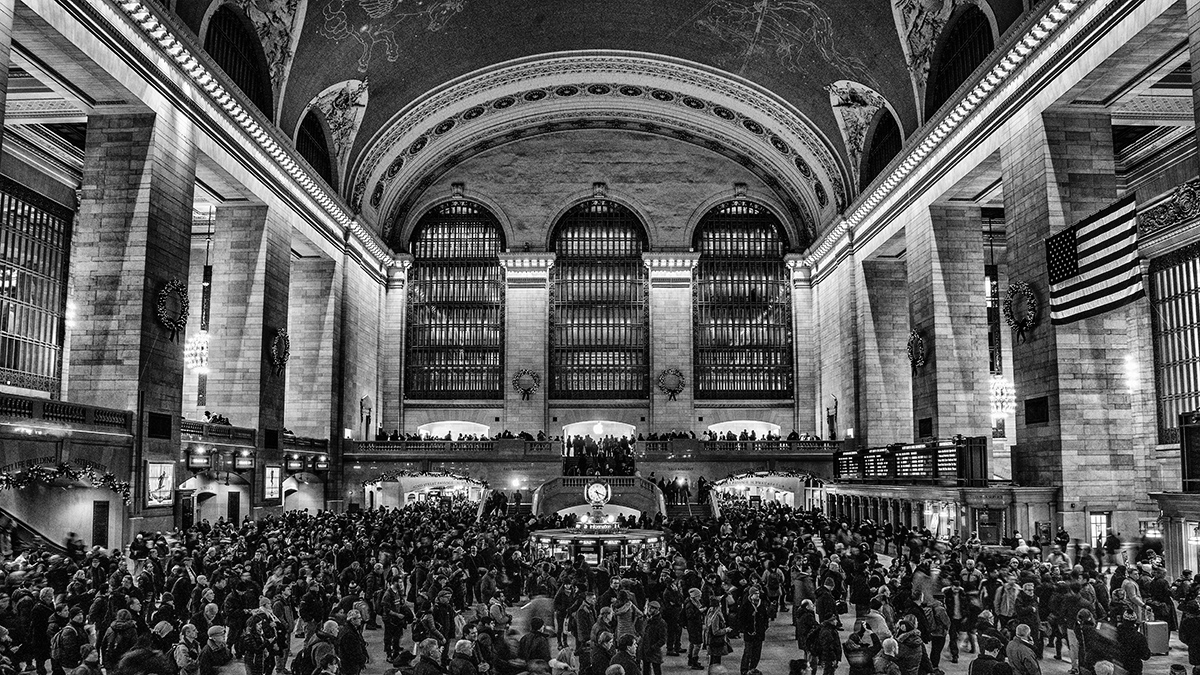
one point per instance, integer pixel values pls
(198, 459)
(243, 460)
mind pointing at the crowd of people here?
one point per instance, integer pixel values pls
(304, 593)
(607, 456)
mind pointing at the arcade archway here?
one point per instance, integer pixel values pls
(790, 488)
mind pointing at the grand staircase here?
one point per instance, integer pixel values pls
(689, 510)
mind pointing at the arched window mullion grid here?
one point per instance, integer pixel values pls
(967, 43)
(237, 50)
(599, 306)
(741, 306)
(454, 346)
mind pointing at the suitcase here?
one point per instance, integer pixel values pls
(1157, 636)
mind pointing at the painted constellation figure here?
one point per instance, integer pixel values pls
(792, 32)
(380, 19)
(855, 106)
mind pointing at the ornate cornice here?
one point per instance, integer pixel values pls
(713, 105)
(523, 267)
(194, 68)
(670, 262)
(1183, 205)
(935, 134)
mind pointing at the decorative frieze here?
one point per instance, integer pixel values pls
(670, 270)
(527, 270)
(1183, 205)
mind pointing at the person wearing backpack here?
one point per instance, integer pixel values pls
(939, 628)
(91, 662)
(186, 653)
(120, 638)
(64, 644)
(315, 648)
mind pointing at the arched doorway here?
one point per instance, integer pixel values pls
(789, 488)
(303, 492)
(219, 498)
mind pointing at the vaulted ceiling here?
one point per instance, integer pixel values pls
(785, 87)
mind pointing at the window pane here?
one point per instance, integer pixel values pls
(599, 313)
(1175, 316)
(742, 306)
(34, 232)
(455, 305)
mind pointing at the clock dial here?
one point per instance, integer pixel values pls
(597, 492)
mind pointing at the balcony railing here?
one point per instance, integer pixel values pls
(221, 434)
(305, 444)
(63, 413)
(734, 449)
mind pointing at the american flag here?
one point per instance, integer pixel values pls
(1094, 264)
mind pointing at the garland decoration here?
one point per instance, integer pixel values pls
(40, 475)
(527, 382)
(762, 474)
(173, 323)
(916, 349)
(406, 473)
(1020, 290)
(281, 350)
(671, 382)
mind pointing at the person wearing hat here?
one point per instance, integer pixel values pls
(69, 638)
(693, 619)
(90, 664)
(352, 647)
(215, 653)
(654, 639)
(1020, 652)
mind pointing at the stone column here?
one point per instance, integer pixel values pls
(249, 308)
(249, 305)
(886, 375)
(393, 345)
(132, 237)
(948, 310)
(7, 8)
(314, 322)
(671, 336)
(1097, 443)
(804, 346)
(527, 307)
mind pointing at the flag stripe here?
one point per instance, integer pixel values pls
(1096, 291)
(1100, 255)
(1128, 296)
(1101, 268)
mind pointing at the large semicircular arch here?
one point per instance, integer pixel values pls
(604, 89)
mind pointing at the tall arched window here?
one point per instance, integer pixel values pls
(455, 323)
(599, 315)
(967, 42)
(233, 43)
(310, 141)
(742, 309)
(885, 142)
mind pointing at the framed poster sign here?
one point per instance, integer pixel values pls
(272, 482)
(160, 484)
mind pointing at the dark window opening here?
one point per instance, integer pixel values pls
(456, 291)
(741, 306)
(599, 309)
(232, 42)
(968, 41)
(884, 145)
(313, 147)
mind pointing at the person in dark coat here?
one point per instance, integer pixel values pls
(351, 647)
(654, 639)
(1132, 648)
(626, 655)
(826, 604)
(215, 654)
(753, 617)
(860, 650)
(827, 647)
(601, 654)
(534, 645)
(1189, 631)
(693, 619)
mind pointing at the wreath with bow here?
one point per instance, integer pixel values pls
(1019, 290)
(916, 349)
(281, 350)
(177, 322)
(526, 382)
(671, 382)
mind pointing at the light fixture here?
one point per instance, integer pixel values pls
(195, 353)
(1004, 399)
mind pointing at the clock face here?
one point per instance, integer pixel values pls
(597, 493)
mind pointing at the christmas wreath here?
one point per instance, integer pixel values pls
(916, 349)
(281, 350)
(1019, 290)
(527, 382)
(47, 476)
(173, 323)
(670, 382)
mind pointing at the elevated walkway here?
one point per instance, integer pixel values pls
(631, 492)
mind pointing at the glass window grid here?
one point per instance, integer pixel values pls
(456, 294)
(34, 234)
(599, 308)
(1175, 317)
(968, 42)
(237, 50)
(313, 147)
(742, 306)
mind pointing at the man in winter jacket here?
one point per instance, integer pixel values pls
(753, 617)
(352, 648)
(215, 654)
(885, 661)
(1020, 653)
(826, 603)
(827, 649)
(654, 639)
(939, 628)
